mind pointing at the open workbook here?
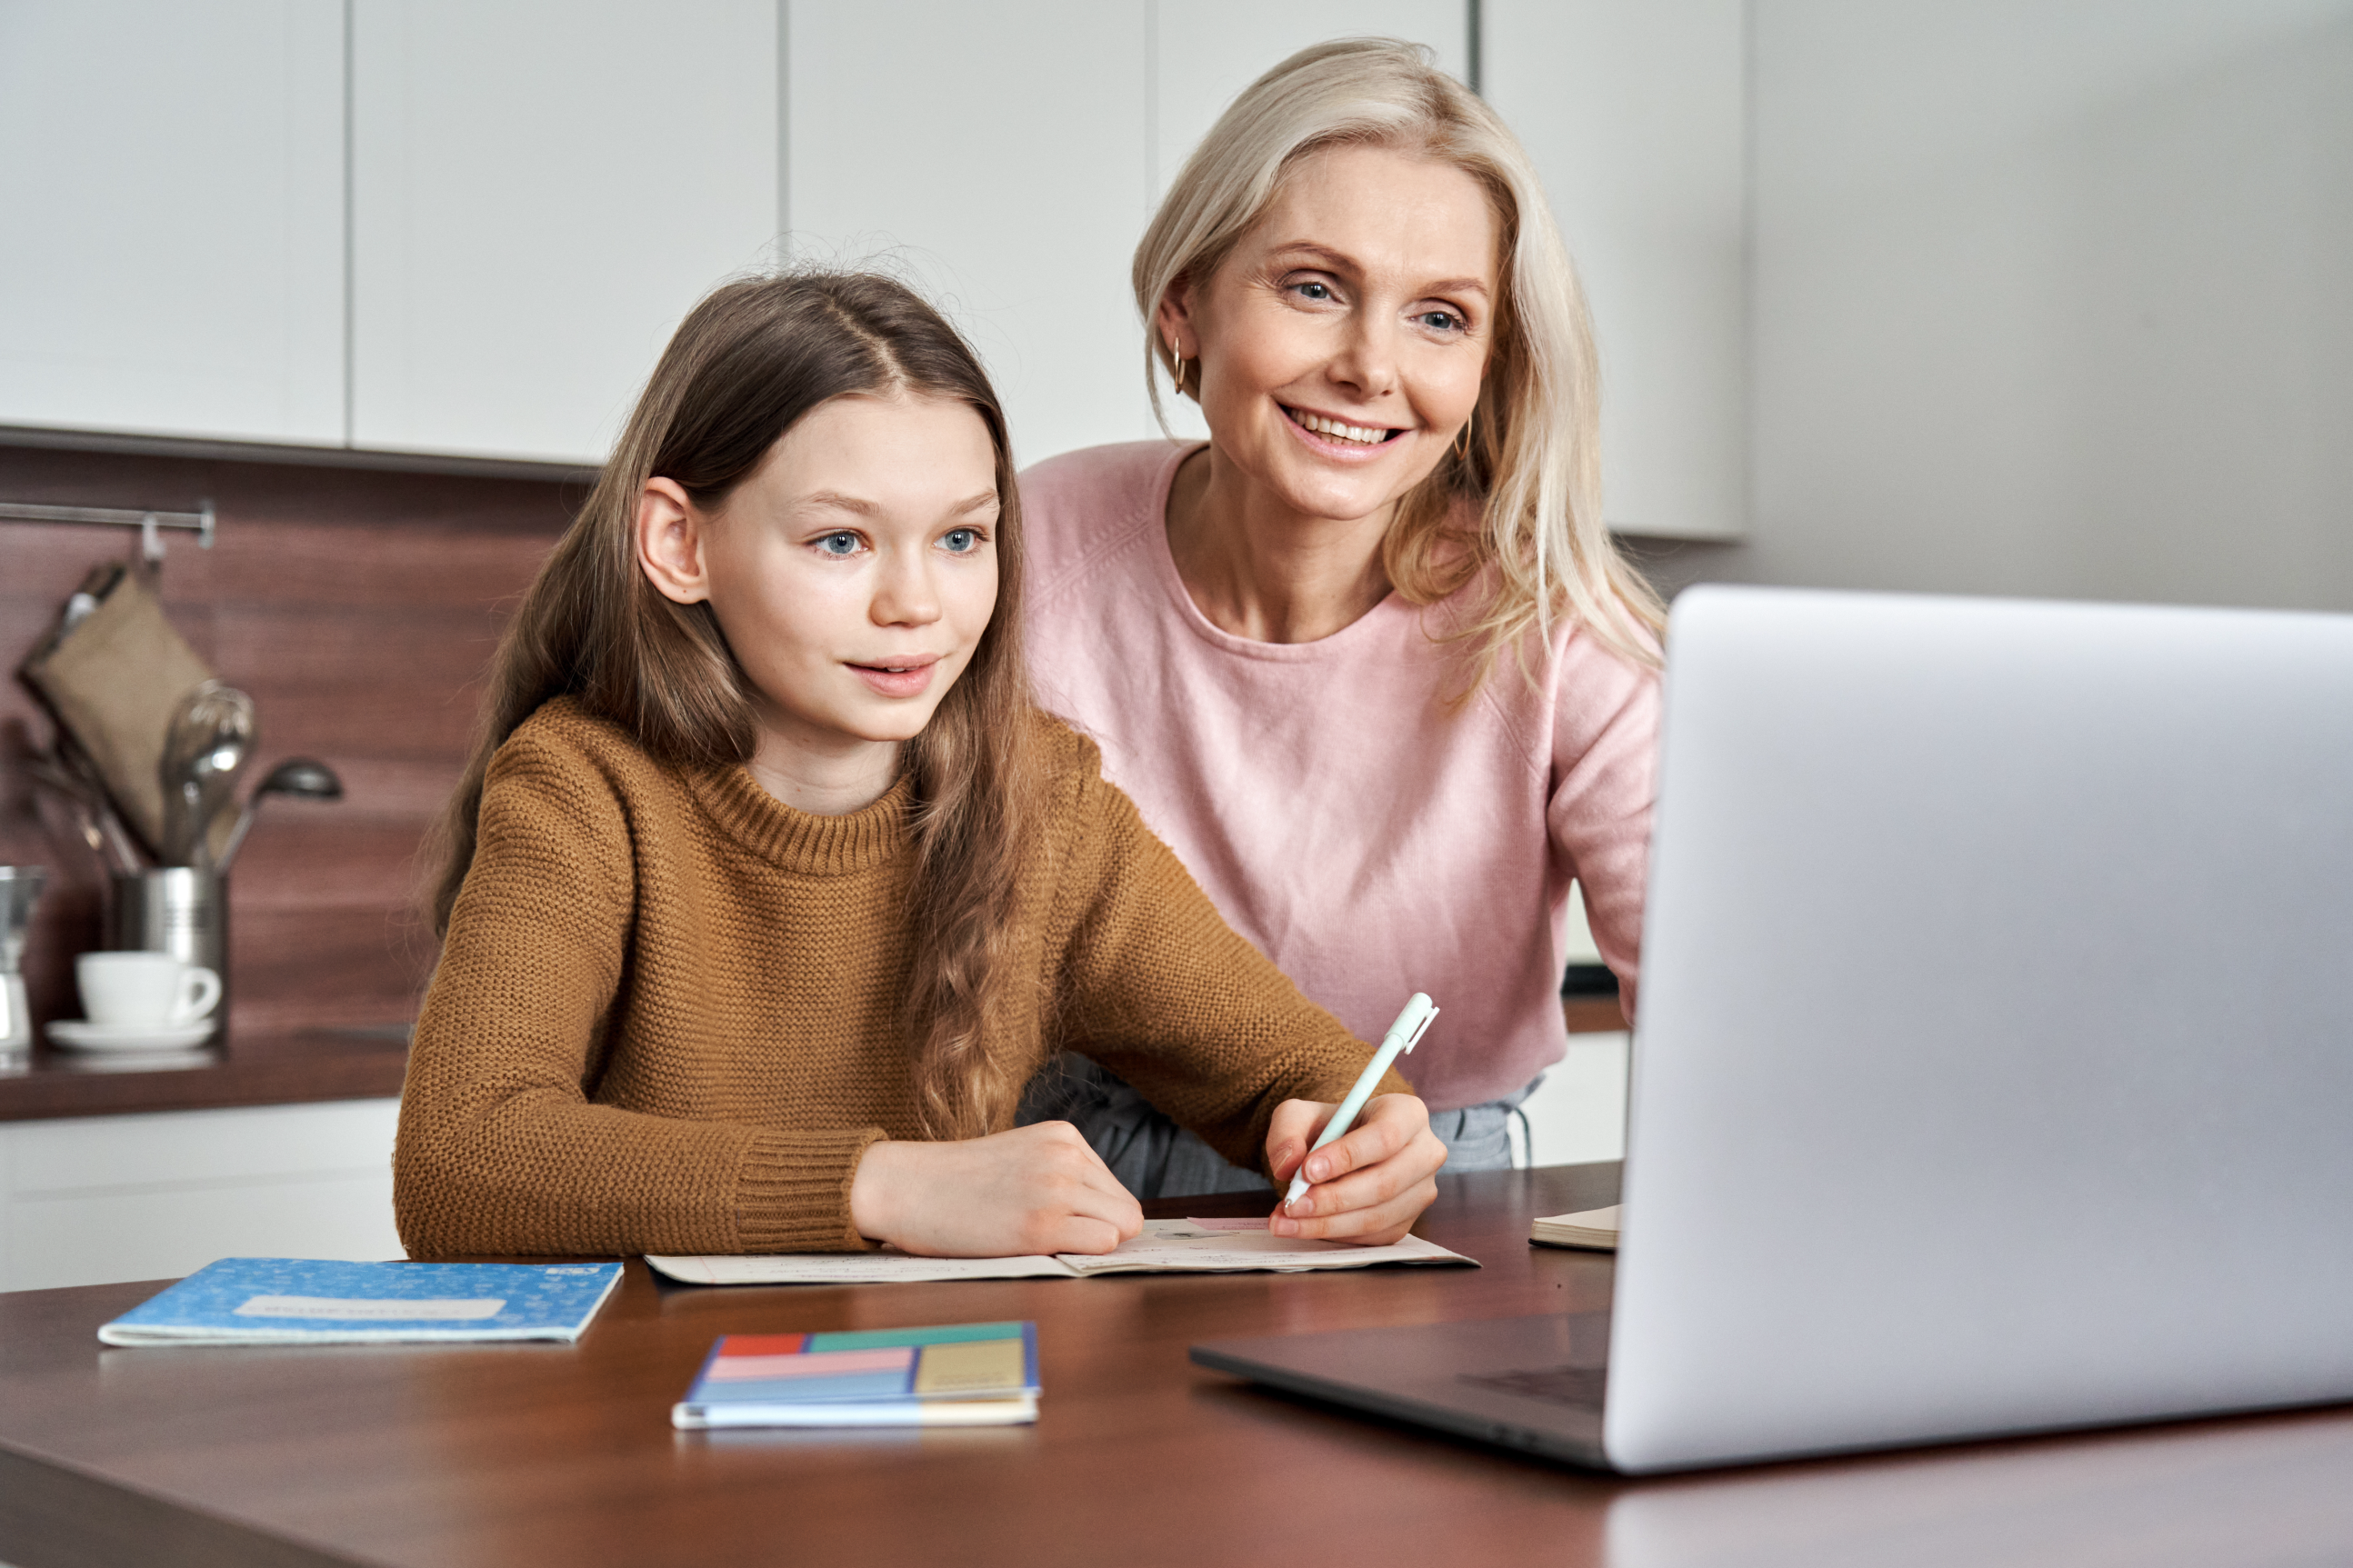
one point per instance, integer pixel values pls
(1165, 1246)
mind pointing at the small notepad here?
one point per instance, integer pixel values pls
(1594, 1228)
(962, 1374)
(301, 1300)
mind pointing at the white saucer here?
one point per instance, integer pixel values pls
(76, 1035)
(136, 1061)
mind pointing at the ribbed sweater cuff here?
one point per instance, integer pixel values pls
(793, 1195)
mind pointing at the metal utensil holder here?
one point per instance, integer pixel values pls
(20, 889)
(177, 910)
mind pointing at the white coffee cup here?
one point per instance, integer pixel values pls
(145, 990)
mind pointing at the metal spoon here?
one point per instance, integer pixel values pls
(206, 749)
(300, 777)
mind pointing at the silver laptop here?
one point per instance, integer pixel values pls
(1994, 1072)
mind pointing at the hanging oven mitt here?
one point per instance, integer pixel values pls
(115, 679)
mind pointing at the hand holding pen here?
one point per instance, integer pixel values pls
(1362, 1169)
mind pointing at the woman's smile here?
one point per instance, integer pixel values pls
(1333, 437)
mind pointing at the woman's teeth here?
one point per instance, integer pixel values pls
(1337, 431)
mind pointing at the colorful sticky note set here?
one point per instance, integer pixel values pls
(960, 1374)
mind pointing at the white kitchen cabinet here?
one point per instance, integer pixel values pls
(534, 192)
(541, 189)
(89, 1200)
(1205, 51)
(172, 193)
(1635, 114)
(1001, 158)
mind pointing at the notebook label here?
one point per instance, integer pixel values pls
(441, 1310)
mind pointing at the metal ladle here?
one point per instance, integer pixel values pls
(300, 777)
(206, 749)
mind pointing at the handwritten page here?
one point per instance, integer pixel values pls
(1184, 1246)
(1167, 1246)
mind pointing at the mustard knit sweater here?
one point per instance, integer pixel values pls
(668, 1016)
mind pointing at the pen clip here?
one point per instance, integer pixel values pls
(1418, 1030)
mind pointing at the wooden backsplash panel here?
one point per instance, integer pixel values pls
(358, 609)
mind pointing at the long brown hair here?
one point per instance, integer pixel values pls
(749, 361)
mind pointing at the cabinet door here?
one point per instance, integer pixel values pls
(1205, 51)
(1000, 156)
(172, 178)
(540, 190)
(90, 1199)
(1634, 112)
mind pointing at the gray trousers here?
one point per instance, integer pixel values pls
(1154, 1158)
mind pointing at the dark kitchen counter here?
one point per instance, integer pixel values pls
(257, 1069)
(310, 1064)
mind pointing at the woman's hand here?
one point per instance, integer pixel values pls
(1035, 1189)
(1368, 1186)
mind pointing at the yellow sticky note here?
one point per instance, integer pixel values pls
(975, 1366)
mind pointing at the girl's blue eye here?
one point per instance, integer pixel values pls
(961, 540)
(841, 544)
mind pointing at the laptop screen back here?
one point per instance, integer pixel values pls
(1995, 1064)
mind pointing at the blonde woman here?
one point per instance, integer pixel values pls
(1366, 659)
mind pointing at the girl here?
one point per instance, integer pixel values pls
(1367, 658)
(767, 890)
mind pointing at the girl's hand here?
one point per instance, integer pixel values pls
(1033, 1189)
(1371, 1185)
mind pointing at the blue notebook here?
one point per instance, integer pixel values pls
(964, 1374)
(294, 1300)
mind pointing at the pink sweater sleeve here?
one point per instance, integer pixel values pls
(1604, 779)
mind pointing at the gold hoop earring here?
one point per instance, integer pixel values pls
(1176, 364)
(1463, 451)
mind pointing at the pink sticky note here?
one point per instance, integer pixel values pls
(1228, 1224)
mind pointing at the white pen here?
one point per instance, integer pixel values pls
(1403, 1035)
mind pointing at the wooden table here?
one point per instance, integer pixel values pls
(524, 1455)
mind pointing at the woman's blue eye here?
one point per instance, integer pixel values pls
(842, 543)
(1315, 290)
(961, 540)
(1441, 320)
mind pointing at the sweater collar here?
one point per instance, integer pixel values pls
(802, 841)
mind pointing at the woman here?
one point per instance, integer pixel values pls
(1368, 659)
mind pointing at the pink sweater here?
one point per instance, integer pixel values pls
(1367, 837)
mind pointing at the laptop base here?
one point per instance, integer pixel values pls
(1534, 1385)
